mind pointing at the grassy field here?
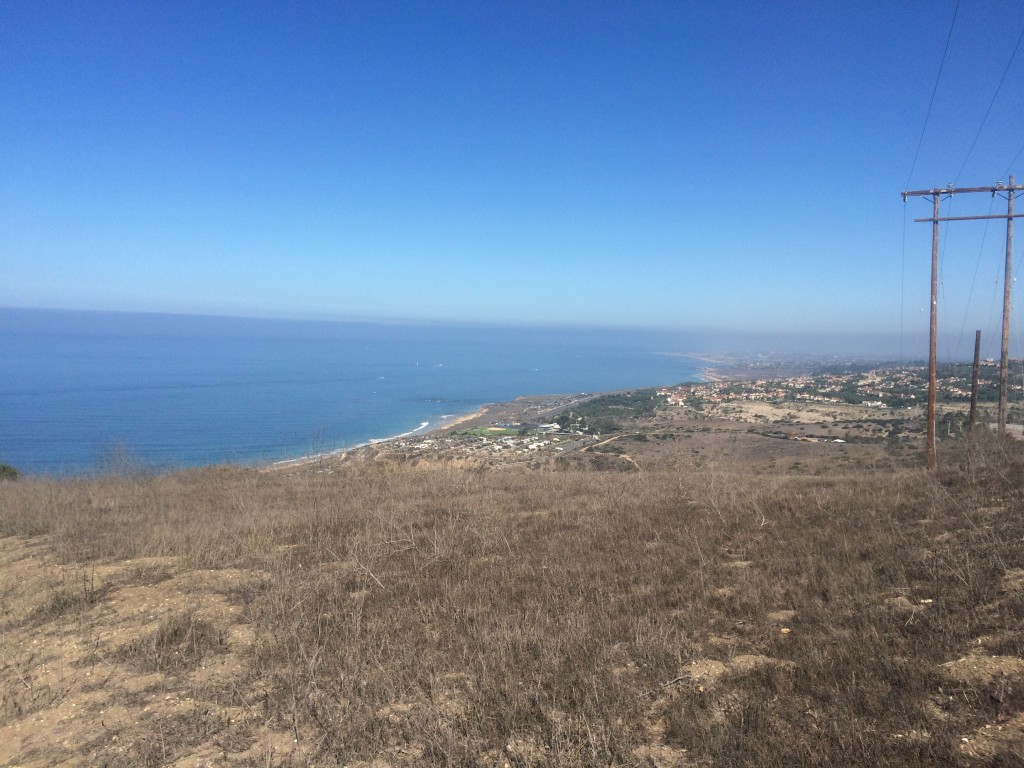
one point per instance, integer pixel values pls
(382, 614)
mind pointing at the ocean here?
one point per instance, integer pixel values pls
(83, 391)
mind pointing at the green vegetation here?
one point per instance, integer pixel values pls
(608, 413)
(7, 472)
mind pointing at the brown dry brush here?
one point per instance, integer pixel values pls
(547, 617)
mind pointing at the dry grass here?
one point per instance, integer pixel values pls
(689, 614)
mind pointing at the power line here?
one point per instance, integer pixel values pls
(942, 266)
(936, 195)
(1006, 71)
(931, 101)
(1014, 161)
(974, 280)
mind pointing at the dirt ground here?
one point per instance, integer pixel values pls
(118, 664)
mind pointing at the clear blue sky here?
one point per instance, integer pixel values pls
(672, 164)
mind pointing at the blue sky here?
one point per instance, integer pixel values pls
(653, 164)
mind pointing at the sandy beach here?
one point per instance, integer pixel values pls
(455, 421)
(530, 408)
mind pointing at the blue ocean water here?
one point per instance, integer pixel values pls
(78, 388)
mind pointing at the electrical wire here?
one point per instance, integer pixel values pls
(977, 266)
(942, 266)
(1006, 71)
(931, 101)
(1013, 162)
(990, 323)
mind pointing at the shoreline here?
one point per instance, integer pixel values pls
(425, 428)
(527, 407)
(709, 376)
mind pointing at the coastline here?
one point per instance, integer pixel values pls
(708, 375)
(328, 387)
(425, 428)
(447, 422)
(525, 408)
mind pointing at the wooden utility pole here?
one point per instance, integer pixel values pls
(974, 380)
(936, 195)
(1004, 349)
(932, 333)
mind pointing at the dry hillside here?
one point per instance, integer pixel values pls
(379, 613)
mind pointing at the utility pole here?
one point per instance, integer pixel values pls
(1004, 353)
(932, 333)
(936, 195)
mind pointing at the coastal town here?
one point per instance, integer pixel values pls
(878, 387)
(773, 414)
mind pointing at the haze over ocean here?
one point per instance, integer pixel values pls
(79, 388)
